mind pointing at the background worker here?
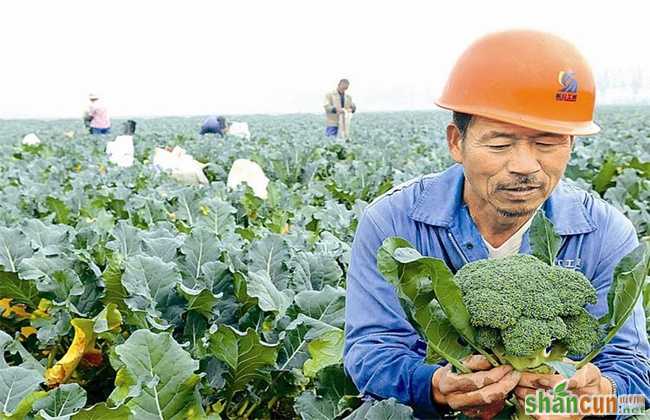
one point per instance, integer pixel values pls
(336, 103)
(215, 125)
(96, 118)
(511, 136)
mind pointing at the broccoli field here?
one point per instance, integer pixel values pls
(125, 294)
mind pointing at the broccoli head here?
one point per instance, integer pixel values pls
(521, 307)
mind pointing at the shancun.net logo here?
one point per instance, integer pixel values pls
(562, 402)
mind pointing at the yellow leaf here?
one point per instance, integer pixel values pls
(5, 304)
(83, 342)
(20, 311)
(8, 309)
(44, 306)
(25, 332)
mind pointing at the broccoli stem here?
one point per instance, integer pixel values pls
(487, 355)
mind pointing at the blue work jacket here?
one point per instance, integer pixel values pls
(213, 125)
(384, 355)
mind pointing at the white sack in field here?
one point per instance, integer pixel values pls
(244, 170)
(31, 140)
(120, 151)
(180, 165)
(239, 129)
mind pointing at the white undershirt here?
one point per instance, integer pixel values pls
(511, 246)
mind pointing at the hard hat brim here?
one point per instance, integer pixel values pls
(585, 128)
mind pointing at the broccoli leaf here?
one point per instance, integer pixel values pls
(103, 412)
(15, 384)
(313, 407)
(382, 410)
(21, 291)
(14, 247)
(166, 372)
(61, 402)
(606, 175)
(544, 241)
(626, 289)
(413, 277)
(245, 354)
(565, 369)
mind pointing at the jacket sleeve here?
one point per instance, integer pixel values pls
(383, 354)
(329, 107)
(352, 105)
(626, 359)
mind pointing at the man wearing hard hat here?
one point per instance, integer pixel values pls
(518, 98)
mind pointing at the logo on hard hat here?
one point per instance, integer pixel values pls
(569, 91)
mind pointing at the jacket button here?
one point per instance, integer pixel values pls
(469, 245)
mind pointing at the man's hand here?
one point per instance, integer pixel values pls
(586, 381)
(479, 394)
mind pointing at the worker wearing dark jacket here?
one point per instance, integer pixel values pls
(215, 125)
(335, 104)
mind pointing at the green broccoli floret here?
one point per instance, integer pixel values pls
(530, 335)
(522, 308)
(536, 299)
(492, 308)
(574, 290)
(582, 333)
(488, 338)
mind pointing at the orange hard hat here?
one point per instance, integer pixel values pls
(527, 78)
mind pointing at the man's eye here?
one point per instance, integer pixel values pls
(546, 144)
(498, 146)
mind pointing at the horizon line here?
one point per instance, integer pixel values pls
(154, 116)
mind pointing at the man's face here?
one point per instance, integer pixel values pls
(343, 87)
(510, 168)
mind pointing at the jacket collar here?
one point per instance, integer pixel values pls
(444, 192)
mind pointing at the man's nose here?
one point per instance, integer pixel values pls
(523, 162)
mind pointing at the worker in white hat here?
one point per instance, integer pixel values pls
(96, 118)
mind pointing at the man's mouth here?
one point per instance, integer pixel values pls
(521, 188)
(521, 192)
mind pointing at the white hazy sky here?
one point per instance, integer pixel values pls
(190, 57)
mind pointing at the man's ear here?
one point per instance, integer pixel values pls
(455, 142)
